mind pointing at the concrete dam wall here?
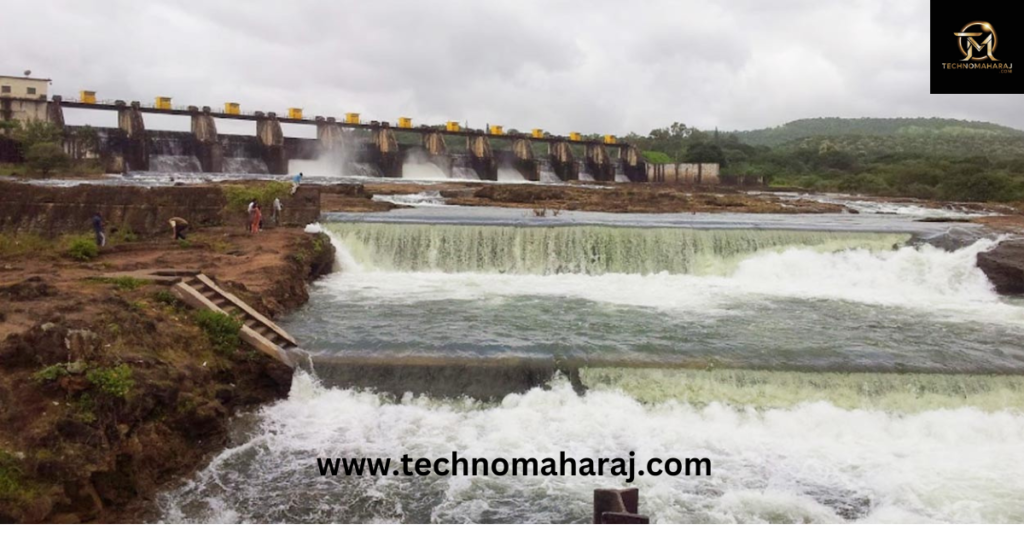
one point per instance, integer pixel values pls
(349, 148)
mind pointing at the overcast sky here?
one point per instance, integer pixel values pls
(592, 65)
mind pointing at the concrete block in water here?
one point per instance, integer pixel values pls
(618, 507)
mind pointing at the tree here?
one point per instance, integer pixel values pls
(46, 157)
(86, 140)
(705, 153)
(30, 133)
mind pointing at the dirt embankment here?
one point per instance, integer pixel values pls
(108, 387)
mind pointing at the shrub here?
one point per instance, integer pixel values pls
(125, 234)
(221, 329)
(45, 157)
(51, 373)
(165, 297)
(12, 486)
(239, 196)
(83, 249)
(114, 381)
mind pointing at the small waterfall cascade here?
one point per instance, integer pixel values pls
(577, 249)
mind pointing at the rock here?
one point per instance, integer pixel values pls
(82, 344)
(1004, 266)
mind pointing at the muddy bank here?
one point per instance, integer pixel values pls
(109, 389)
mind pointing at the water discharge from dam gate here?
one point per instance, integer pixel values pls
(829, 375)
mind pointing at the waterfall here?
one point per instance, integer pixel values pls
(583, 249)
(172, 152)
(547, 173)
(509, 174)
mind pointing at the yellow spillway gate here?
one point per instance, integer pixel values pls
(497, 130)
(609, 139)
(163, 103)
(452, 126)
(232, 108)
(352, 119)
(87, 97)
(538, 133)
(575, 136)
(294, 113)
(404, 122)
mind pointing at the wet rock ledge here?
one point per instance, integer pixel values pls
(1004, 266)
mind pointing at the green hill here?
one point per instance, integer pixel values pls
(830, 127)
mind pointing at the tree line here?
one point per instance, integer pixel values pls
(925, 158)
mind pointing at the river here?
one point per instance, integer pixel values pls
(831, 368)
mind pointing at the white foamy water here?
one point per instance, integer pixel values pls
(866, 206)
(810, 463)
(926, 279)
(429, 198)
(421, 170)
(508, 174)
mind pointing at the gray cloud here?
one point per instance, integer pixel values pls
(593, 66)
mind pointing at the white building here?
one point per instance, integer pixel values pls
(23, 98)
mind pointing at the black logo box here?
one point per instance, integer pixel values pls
(948, 18)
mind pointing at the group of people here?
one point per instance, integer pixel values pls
(255, 211)
(180, 225)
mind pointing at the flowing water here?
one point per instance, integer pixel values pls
(828, 375)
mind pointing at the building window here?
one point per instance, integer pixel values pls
(5, 89)
(31, 91)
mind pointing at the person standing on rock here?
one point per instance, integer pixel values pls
(97, 227)
(295, 182)
(178, 226)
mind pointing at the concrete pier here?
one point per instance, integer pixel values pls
(598, 163)
(271, 138)
(135, 151)
(330, 135)
(524, 161)
(437, 151)
(208, 149)
(386, 151)
(633, 164)
(482, 157)
(563, 162)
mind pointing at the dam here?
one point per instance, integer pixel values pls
(347, 147)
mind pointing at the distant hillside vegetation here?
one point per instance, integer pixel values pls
(833, 127)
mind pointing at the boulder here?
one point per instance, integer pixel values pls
(1004, 266)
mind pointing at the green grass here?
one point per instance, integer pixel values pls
(51, 373)
(18, 244)
(113, 381)
(221, 329)
(83, 249)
